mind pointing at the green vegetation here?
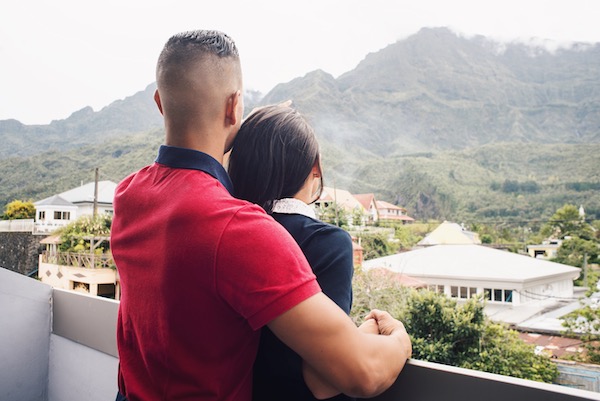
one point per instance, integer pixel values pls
(79, 235)
(415, 180)
(19, 209)
(446, 332)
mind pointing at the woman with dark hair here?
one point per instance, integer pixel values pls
(275, 163)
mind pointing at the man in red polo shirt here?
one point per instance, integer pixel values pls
(201, 272)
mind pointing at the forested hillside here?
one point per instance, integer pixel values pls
(446, 126)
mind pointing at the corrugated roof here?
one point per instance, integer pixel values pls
(471, 262)
(55, 200)
(85, 193)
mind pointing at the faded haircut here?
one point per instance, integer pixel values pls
(185, 48)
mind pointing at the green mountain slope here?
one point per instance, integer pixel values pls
(447, 126)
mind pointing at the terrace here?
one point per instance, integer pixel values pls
(59, 345)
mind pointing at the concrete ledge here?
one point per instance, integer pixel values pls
(86, 319)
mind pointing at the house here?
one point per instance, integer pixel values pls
(345, 201)
(546, 250)
(388, 211)
(52, 213)
(449, 233)
(89, 272)
(366, 206)
(515, 287)
(59, 210)
(369, 203)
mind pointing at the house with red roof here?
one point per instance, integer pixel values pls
(388, 211)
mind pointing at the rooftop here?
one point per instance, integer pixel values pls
(85, 193)
(471, 262)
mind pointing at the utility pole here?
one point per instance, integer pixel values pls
(585, 272)
(95, 212)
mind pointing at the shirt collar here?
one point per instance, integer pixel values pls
(176, 157)
(293, 206)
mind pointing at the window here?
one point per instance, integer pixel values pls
(461, 292)
(58, 215)
(42, 215)
(436, 288)
(498, 295)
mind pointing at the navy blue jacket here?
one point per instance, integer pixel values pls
(328, 249)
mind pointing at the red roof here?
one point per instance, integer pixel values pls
(555, 346)
(366, 200)
(387, 205)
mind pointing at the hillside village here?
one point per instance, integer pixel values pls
(526, 290)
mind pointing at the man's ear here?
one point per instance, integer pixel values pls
(233, 114)
(157, 100)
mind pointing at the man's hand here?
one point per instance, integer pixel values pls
(369, 326)
(387, 325)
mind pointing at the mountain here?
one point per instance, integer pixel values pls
(133, 114)
(439, 91)
(437, 122)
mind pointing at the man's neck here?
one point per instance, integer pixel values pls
(198, 142)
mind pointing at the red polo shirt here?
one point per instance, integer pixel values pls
(200, 272)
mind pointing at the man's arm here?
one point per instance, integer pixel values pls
(320, 388)
(355, 363)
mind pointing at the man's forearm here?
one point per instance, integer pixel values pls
(355, 363)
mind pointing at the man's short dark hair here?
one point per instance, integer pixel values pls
(186, 47)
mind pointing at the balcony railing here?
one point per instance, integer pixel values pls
(85, 260)
(58, 345)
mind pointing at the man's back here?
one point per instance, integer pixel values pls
(193, 285)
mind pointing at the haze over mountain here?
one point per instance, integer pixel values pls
(435, 98)
(438, 91)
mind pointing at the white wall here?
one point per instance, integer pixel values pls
(25, 310)
(78, 372)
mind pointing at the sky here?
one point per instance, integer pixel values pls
(59, 56)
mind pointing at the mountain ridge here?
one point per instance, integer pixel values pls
(433, 93)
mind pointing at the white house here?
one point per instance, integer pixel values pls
(59, 210)
(546, 250)
(514, 286)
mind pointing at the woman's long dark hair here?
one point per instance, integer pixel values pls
(272, 156)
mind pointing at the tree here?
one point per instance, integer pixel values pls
(334, 214)
(566, 222)
(77, 235)
(446, 332)
(19, 209)
(406, 236)
(585, 323)
(377, 245)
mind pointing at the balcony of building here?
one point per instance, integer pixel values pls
(59, 345)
